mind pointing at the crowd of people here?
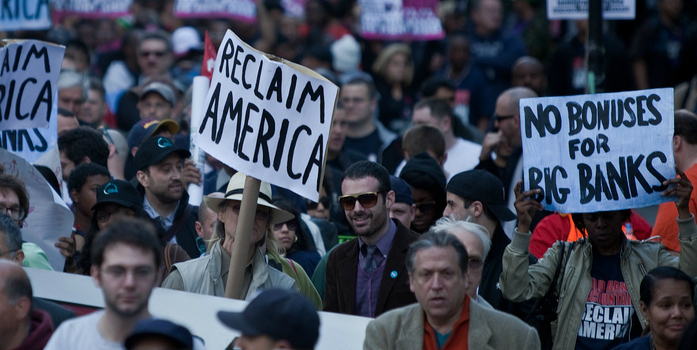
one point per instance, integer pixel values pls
(422, 222)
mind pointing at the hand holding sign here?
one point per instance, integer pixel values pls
(525, 206)
(682, 190)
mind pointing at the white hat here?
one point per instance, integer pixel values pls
(234, 192)
(346, 54)
(185, 39)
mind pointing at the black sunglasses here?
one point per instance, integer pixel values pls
(367, 200)
(325, 200)
(500, 118)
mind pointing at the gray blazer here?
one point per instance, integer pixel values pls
(403, 329)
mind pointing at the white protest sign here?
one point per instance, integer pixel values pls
(266, 118)
(29, 71)
(49, 217)
(245, 10)
(578, 9)
(400, 19)
(92, 8)
(25, 15)
(599, 152)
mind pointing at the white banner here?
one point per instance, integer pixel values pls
(49, 217)
(25, 15)
(29, 71)
(599, 152)
(268, 118)
(93, 8)
(245, 10)
(578, 9)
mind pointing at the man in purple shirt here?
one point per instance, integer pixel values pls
(367, 276)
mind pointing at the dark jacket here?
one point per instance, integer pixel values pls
(57, 312)
(40, 331)
(186, 235)
(493, 266)
(340, 289)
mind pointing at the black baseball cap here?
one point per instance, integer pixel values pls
(278, 314)
(119, 192)
(402, 191)
(483, 186)
(154, 150)
(161, 329)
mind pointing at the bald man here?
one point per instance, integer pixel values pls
(21, 326)
(529, 72)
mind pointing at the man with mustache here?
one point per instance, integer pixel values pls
(366, 276)
(159, 165)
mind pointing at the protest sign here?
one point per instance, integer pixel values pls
(48, 217)
(92, 8)
(578, 9)
(400, 19)
(244, 10)
(29, 73)
(267, 118)
(598, 152)
(25, 15)
(27, 93)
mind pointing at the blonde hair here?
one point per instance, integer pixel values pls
(386, 54)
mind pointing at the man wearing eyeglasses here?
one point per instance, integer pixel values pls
(154, 54)
(476, 240)
(367, 276)
(126, 266)
(477, 196)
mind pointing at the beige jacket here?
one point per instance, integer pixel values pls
(489, 329)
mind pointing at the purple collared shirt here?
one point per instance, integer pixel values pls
(368, 285)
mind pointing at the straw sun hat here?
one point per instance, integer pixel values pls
(234, 192)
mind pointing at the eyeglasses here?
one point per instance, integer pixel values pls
(426, 207)
(118, 272)
(325, 200)
(260, 214)
(475, 263)
(292, 226)
(500, 118)
(367, 200)
(152, 53)
(15, 213)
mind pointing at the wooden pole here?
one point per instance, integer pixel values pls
(240, 247)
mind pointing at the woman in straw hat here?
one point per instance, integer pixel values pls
(208, 274)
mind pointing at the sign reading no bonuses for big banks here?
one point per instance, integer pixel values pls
(268, 118)
(599, 152)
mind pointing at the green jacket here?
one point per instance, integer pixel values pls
(522, 282)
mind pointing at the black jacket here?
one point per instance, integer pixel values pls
(186, 234)
(493, 266)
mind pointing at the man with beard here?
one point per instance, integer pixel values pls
(126, 262)
(366, 276)
(159, 167)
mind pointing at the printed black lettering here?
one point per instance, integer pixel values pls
(236, 62)
(630, 112)
(281, 145)
(315, 160)
(228, 52)
(266, 131)
(656, 114)
(584, 176)
(618, 179)
(276, 84)
(291, 150)
(574, 113)
(18, 113)
(640, 100)
(246, 129)
(38, 54)
(649, 166)
(635, 175)
(244, 71)
(314, 95)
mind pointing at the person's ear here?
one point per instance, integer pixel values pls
(412, 211)
(644, 310)
(477, 208)
(677, 143)
(142, 178)
(22, 308)
(94, 272)
(18, 257)
(411, 283)
(389, 199)
(74, 196)
(199, 229)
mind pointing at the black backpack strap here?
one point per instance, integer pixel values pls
(178, 223)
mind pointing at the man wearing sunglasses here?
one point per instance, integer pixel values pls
(367, 276)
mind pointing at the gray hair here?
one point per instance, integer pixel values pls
(438, 239)
(70, 78)
(448, 224)
(13, 236)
